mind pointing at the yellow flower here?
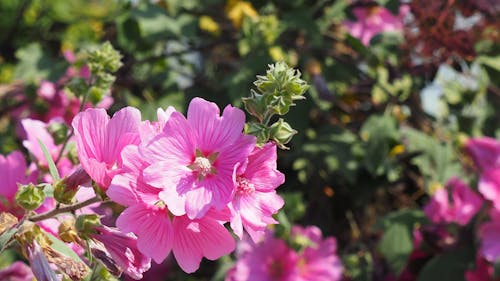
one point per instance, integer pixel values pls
(237, 10)
(208, 24)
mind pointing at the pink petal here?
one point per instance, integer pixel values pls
(198, 238)
(152, 227)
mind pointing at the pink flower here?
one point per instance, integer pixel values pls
(464, 204)
(158, 234)
(18, 271)
(37, 130)
(374, 20)
(485, 152)
(193, 159)
(489, 186)
(46, 90)
(12, 172)
(255, 200)
(270, 260)
(118, 251)
(318, 260)
(490, 245)
(99, 140)
(482, 272)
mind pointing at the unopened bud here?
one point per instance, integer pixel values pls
(30, 196)
(282, 133)
(259, 130)
(86, 224)
(255, 105)
(66, 188)
(67, 231)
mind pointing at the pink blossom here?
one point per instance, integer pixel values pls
(269, 260)
(464, 204)
(490, 244)
(158, 234)
(193, 159)
(374, 20)
(12, 172)
(120, 252)
(255, 200)
(46, 90)
(485, 152)
(18, 271)
(36, 130)
(318, 261)
(100, 140)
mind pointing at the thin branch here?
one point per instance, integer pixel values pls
(65, 209)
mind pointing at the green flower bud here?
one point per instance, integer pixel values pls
(58, 131)
(30, 196)
(280, 79)
(78, 86)
(96, 94)
(86, 224)
(282, 133)
(255, 105)
(258, 130)
(106, 58)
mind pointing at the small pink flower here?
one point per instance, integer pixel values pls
(18, 271)
(490, 244)
(485, 152)
(47, 89)
(464, 204)
(100, 140)
(193, 159)
(318, 260)
(255, 200)
(121, 253)
(374, 20)
(37, 130)
(269, 260)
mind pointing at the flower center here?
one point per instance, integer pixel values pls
(244, 186)
(202, 165)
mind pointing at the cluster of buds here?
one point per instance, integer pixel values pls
(102, 62)
(275, 94)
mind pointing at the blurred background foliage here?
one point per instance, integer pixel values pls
(380, 130)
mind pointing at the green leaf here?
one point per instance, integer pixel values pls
(52, 166)
(5, 238)
(396, 246)
(408, 217)
(34, 64)
(493, 62)
(448, 266)
(62, 248)
(397, 241)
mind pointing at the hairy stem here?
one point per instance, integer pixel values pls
(65, 209)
